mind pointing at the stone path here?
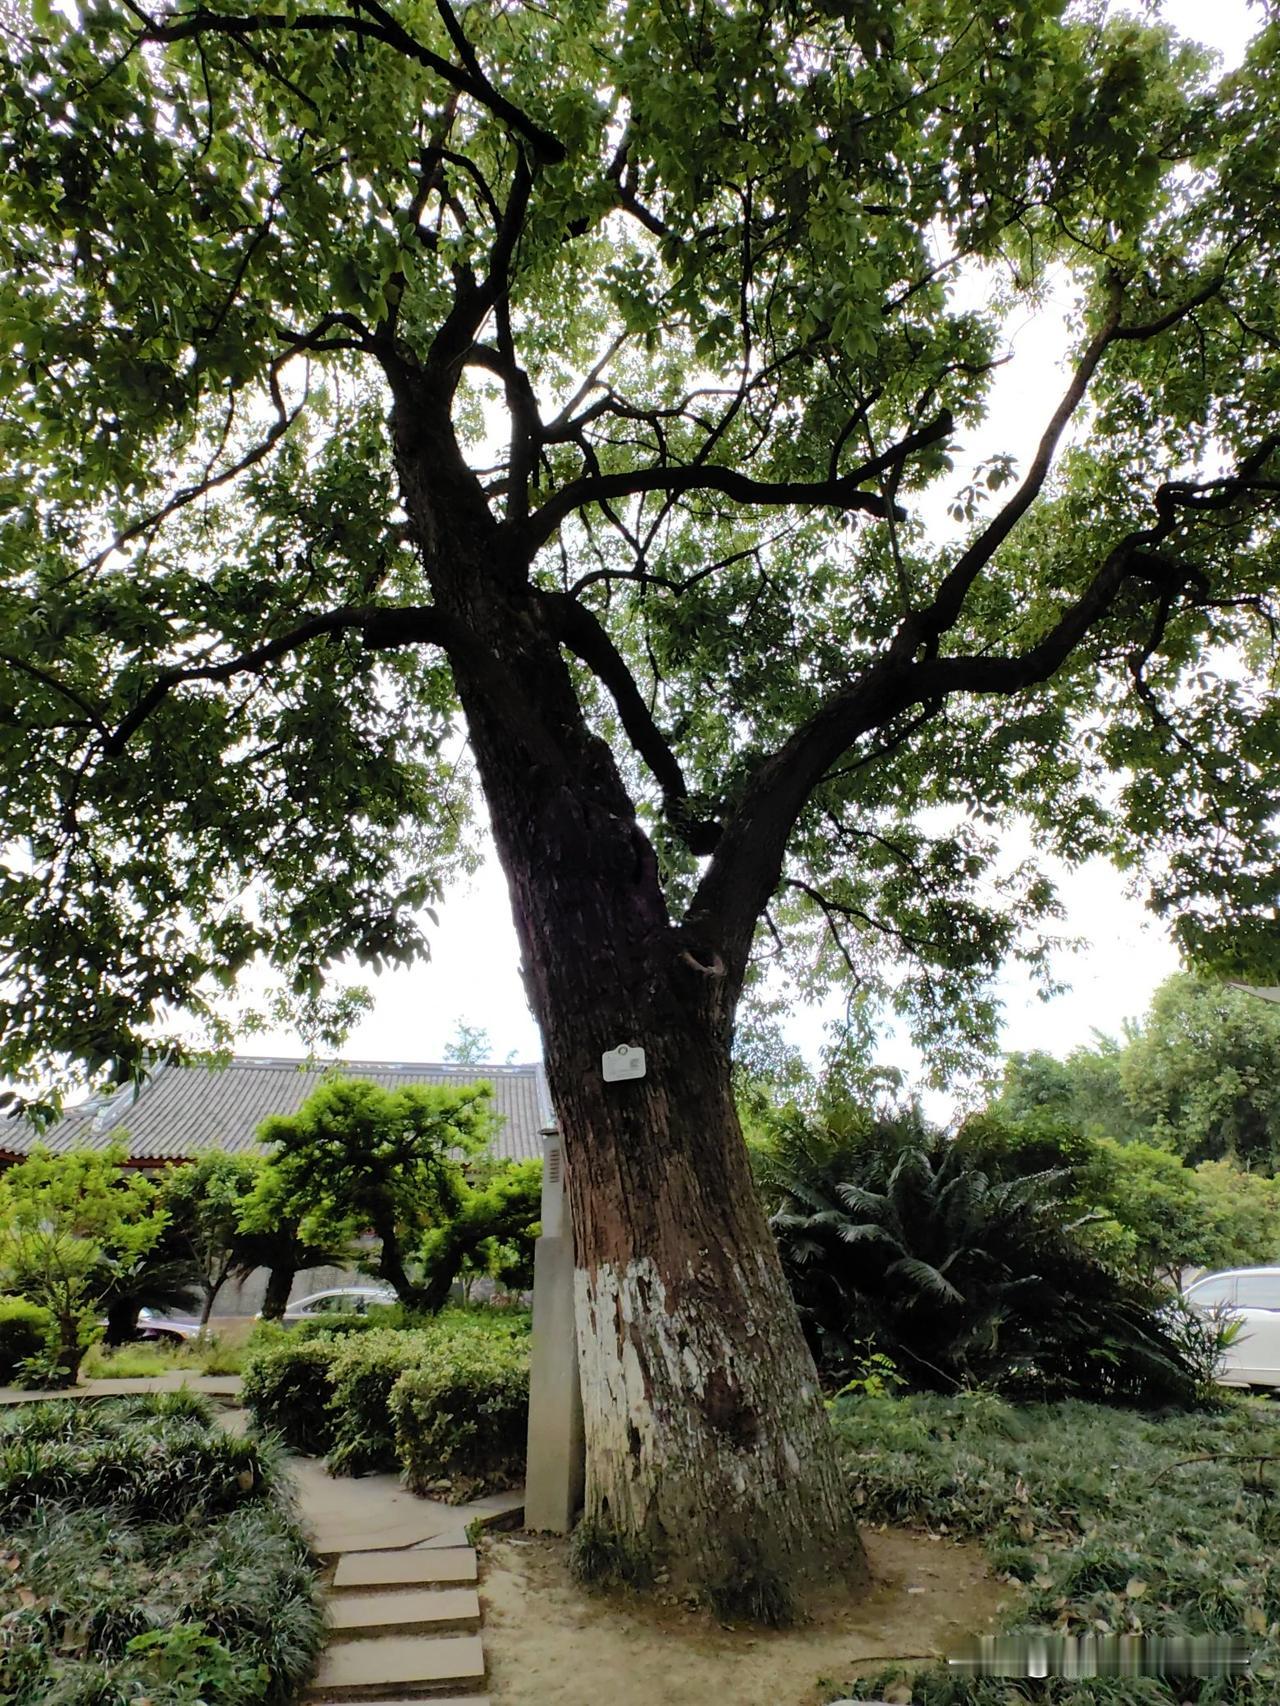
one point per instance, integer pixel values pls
(404, 1614)
(212, 1385)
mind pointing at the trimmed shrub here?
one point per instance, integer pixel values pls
(25, 1330)
(365, 1369)
(333, 1327)
(462, 1417)
(286, 1389)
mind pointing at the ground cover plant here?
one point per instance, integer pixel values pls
(148, 1556)
(1109, 1521)
(401, 1397)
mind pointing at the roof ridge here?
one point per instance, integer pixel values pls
(302, 1062)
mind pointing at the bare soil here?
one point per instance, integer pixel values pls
(551, 1643)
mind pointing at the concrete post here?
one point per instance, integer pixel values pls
(557, 1455)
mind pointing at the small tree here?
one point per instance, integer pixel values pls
(204, 1201)
(71, 1227)
(469, 1044)
(389, 1160)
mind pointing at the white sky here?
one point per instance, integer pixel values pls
(472, 975)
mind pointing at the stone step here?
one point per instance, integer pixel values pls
(408, 1568)
(405, 1700)
(399, 1610)
(384, 1665)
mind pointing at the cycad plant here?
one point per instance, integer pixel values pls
(898, 1242)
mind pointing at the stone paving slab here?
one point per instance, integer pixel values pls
(417, 1700)
(372, 1669)
(416, 1567)
(424, 1610)
(366, 1513)
(448, 1540)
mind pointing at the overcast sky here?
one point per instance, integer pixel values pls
(473, 977)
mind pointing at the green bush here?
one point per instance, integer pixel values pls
(286, 1389)
(961, 1269)
(332, 1326)
(323, 1392)
(25, 1330)
(365, 1369)
(462, 1416)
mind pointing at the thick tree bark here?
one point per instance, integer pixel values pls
(708, 1449)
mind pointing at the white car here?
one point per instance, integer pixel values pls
(1252, 1295)
(340, 1300)
(154, 1325)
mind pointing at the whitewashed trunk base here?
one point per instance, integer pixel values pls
(708, 1444)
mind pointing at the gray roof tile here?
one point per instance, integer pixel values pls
(183, 1110)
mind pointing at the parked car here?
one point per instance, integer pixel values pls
(171, 1329)
(339, 1300)
(1252, 1296)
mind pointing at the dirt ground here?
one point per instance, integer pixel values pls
(549, 1643)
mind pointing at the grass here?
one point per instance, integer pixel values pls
(147, 1556)
(222, 1352)
(1109, 1521)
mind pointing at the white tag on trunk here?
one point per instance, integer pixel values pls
(625, 1061)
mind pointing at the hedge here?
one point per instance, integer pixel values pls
(25, 1330)
(286, 1389)
(462, 1417)
(362, 1374)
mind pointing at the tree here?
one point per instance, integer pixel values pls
(491, 1230)
(1200, 1074)
(1203, 1073)
(72, 1228)
(585, 368)
(469, 1044)
(356, 1156)
(270, 1234)
(205, 1200)
(1084, 1090)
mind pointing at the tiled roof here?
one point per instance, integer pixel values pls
(183, 1110)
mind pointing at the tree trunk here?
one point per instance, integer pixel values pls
(275, 1300)
(708, 1448)
(122, 1321)
(210, 1289)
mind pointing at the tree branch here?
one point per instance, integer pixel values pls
(384, 628)
(376, 25)
(577, 628)
(747, 864)
(842, 493)
(68, 693)
(925, 627)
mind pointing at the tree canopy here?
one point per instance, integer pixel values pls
(1198, 1075)
(357, 1158)
(713, 305)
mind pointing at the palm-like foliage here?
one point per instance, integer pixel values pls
(898, 1241)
